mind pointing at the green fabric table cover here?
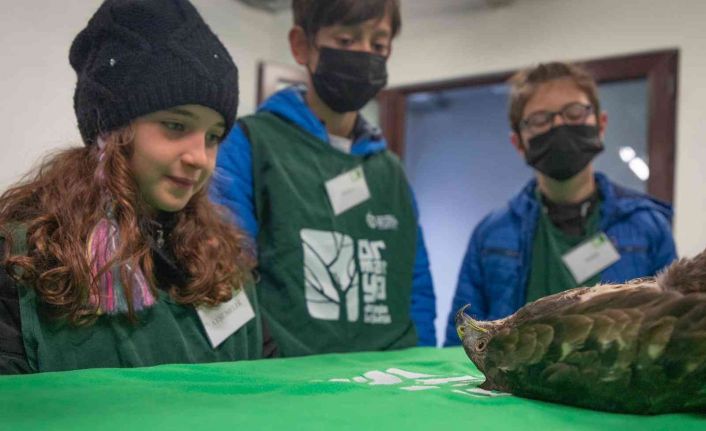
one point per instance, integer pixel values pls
(414, 389)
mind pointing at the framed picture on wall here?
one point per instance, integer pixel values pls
(272, 77)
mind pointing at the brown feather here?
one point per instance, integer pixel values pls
(685, 275)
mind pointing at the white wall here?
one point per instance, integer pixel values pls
(37, 83)
(463, 43)
(249, 35)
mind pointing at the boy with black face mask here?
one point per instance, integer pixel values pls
(569, 227)
(341, 257)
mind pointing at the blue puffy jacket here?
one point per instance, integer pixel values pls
(495, 271)
(232, 186)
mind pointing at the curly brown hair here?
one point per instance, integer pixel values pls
(61, 201)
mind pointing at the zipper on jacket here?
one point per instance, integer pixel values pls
(160, 237)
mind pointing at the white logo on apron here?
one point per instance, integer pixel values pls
(334, 279)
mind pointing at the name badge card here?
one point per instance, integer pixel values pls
(347, 190)
(224, 319)
(590, 257)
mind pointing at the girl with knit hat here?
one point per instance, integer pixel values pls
(112, 255)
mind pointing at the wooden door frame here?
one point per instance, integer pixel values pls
(659, 68)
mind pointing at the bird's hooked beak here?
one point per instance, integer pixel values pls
(464, 321)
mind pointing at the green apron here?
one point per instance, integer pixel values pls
(166, 333)
(330, 283)
(549, 274)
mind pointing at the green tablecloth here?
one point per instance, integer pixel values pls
(416, 389)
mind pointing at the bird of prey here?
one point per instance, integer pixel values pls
(638, 347)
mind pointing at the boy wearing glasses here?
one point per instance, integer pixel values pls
(570, 226)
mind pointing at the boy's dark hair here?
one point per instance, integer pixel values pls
(312, 15)
(523, 85)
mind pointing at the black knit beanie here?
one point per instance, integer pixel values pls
(140, 56)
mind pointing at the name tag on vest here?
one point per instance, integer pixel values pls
(591, 256)
(347, 190)
(225, 319)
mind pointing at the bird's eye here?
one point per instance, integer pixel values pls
(481, 345)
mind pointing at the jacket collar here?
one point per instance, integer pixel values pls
(290, 105)
(616, 201)
(158, 230)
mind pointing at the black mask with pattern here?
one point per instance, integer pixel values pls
(347, 80)
(564, 151)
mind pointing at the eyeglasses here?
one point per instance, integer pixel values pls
(542, 121)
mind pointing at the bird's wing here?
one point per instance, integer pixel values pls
(671, 362)
(587, 352)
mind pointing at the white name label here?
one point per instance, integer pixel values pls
(347, 190)
(591, 256)
(225, 319)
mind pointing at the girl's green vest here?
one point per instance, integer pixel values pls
(167, 333)
(330, 283)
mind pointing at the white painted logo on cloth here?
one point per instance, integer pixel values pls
(381, 222)
(411, 381)
(344, 278)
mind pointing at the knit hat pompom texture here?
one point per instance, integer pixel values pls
(140, 56)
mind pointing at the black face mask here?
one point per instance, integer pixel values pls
(347, 80)
(564, 151)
